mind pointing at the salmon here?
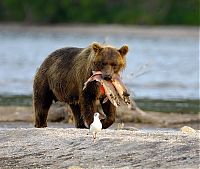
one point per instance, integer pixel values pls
(114, 89)
(110, 93)
(97, 76)
(121, 89)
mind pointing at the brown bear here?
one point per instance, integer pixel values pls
(62, 75)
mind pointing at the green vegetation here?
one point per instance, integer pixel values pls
(15, 100)
(167, 106)
(143, 12)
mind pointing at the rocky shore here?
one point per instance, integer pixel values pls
(74, 148)
(61, 113)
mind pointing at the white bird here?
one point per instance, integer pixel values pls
(96, 125)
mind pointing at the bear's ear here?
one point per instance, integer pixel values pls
(123, 50)
(96, 47)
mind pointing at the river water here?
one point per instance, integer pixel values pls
(158, 67)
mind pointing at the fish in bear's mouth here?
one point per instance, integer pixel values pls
(113, 88)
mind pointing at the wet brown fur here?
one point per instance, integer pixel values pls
(62, 75)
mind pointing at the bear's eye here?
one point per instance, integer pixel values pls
(104, 63)
(98, 63)
(114, 65)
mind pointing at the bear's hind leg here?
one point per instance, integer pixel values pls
(41, 104)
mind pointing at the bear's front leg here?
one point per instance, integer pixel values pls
(88, 102)
(110, 111)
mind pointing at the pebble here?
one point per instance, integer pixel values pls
(187, 130)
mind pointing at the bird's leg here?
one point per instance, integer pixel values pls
(94, 136)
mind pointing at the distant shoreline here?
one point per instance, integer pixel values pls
(106, 29)
(147, 104)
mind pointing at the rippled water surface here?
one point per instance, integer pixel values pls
(168, 66)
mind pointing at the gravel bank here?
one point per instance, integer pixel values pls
(74, 148)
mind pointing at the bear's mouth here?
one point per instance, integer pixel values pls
(107, 77)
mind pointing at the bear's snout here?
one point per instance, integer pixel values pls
(107, 72)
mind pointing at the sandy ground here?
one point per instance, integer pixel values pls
(74, 148)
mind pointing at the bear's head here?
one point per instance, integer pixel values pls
(109, 60)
